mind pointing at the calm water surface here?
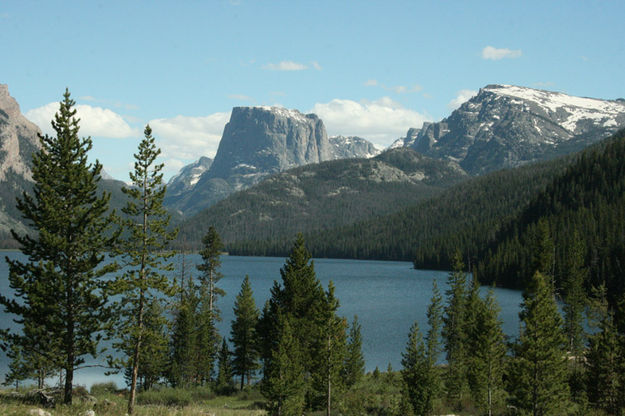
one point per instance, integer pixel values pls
(387, 297)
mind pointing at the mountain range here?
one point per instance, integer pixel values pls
(505, 126)
(277, 172)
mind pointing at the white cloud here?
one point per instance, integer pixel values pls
(496, 54)
(285, 66)
(94, 121)
(316, 65)
(380, 121)
(371, 83)
(185, 139)
(462, 97)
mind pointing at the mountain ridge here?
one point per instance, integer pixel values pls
(506, 126)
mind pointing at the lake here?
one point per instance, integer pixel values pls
(387, 297)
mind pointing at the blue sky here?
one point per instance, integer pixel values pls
(367, 68)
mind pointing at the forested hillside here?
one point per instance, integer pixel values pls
(585, 203)
(466, 215)
(323, 196)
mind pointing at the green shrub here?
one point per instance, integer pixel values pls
(103, 388)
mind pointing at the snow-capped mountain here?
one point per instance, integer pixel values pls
(506, 126)
(188, 176)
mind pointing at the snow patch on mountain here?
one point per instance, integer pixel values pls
(577, 108)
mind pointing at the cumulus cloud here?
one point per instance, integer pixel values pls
(94, 121)
(285, 66)
(496, 54)
(381, 121)
(462, 97)
(184, 139)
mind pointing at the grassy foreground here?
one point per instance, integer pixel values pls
(162, 402)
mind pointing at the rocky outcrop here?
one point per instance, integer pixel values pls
(506, 126)
(352, 147)
(188, 176)
(18, 141)
(18, 138)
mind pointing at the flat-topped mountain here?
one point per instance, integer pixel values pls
(256, 143)
(506, 126)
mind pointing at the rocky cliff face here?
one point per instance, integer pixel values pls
(263, 140)
(18, 138)
(258, 142)
(18, 141)
(506, 126)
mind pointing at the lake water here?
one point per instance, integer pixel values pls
(387, 297)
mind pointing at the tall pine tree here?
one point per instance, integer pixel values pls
(454, 330)
(144, 255)
(243, 334)
(604, 358)
(538, 382)
(284, 384)
(297, 300)
(330, 352)
(60, 287)
(354, 366)
(208, 338)
(488, 350)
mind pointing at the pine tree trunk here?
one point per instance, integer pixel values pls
(135, 360)
(69, 379)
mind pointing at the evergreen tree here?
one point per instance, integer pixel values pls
(143, 256)
(354, 366)
(154, 358)
(543, 251)
(433, 346)
(283, 384)
(330, 353)
(298, 300)
(538, 375)
(575, 298)
(488, 348)
(224, 369)
(60, 288)
(209, 268)
(415, 373)
(453, 330)
(208, 338)
(243, 334)
(182, 369)
(421, 381)
(604, 359)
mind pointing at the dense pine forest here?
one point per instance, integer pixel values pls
(323, 196)
(465, 215)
